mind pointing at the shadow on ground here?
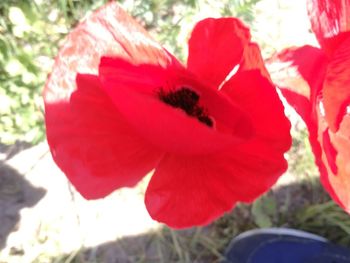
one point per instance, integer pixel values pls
(11, 150)
(303, 206)
(163, 245)
(16, 193)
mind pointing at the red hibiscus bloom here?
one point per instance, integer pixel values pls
(317, 83)
(118, 106)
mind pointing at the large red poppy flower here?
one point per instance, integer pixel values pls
(118, 106)
(316, 81)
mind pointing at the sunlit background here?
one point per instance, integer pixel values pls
(42, 217)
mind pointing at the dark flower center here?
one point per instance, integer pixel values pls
(187, 100)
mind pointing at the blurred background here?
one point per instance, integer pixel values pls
(43, 219)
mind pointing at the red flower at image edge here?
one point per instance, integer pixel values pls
(118, 106)
(316, 82)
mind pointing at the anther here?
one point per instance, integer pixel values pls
(187, 100)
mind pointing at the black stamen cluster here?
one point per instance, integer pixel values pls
(187, 100)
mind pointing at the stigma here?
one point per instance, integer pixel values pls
(187, 100)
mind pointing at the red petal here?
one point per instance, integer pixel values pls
(144, 78)
(296, 89)
(304, 108)
(217, 182)
(329, 151)
(300, 81)
(329, 18)
(330, 45)
(192, 191)
(216, 47)
(258, 97)
(294, 80)
(336, 157)
(108, 31)
(336, 89)
(329, 158)
(93, 145)
(134, 90)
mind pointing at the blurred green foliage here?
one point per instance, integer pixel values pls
(31, 33)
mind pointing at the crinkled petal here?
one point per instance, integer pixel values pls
(336, 159)
(331, 161)
(294, 80)
(330, 19)
(294, 76)
(336, 88)
(258, 97)
(108, 31)
(330, 45)
(290, 70)
(186, 192)
(300, 81)
(216, 46)
(306, 110)
(341, 180)
(329, 151)
(134, 90)
(93, 145)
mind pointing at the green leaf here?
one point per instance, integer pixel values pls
(264, 210)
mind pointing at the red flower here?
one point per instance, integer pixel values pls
(316, 83)
(211, 143)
